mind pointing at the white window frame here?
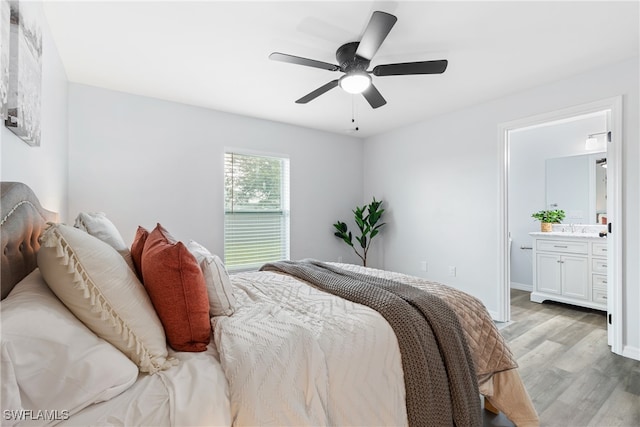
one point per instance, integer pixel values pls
(253, 262)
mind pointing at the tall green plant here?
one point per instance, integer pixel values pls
(366, 218)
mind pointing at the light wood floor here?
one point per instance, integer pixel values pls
(568, 368)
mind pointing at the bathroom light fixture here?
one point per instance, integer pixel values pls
(593, 142)
(355, 82)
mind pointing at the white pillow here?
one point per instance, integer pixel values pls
(50, 360)
(98, 225)
(95, 283)
(221, 299)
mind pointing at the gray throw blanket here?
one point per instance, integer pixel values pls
(440, 381)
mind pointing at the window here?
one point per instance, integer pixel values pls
(256, 210)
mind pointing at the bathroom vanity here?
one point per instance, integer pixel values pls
(570, 267)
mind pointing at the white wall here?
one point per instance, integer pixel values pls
(441, 179)
(43, 168)
(529, 150)
(143, 160)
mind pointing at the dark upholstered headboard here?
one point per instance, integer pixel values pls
(22, 221)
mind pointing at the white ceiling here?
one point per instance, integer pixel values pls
(214, 54)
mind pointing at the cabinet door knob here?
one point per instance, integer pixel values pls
(560, 246)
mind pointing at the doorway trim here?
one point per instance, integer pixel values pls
(614, 175)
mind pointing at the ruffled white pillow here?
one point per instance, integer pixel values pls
(50, 360)
(97, 285)
(221, 299)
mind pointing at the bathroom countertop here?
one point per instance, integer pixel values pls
(566, 235)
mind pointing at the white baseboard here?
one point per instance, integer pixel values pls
(522, 286)
(631, 352)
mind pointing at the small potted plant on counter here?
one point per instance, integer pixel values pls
(548, 217)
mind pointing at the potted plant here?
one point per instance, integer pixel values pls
(548, 217)
(366, 218)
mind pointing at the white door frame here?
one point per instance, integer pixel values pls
(614, 207)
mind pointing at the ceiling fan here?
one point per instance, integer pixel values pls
(354, 59)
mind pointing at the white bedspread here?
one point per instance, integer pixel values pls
(294, 355)
(193, 393)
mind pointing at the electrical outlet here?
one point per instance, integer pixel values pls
(452, 271)
(423, 266)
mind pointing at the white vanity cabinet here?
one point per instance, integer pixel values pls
(570, 268)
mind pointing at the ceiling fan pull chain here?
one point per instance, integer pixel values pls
(353, 113)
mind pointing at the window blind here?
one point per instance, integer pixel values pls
(256, 220)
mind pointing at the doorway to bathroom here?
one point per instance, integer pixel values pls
(555, 161)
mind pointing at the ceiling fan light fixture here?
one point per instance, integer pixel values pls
(355, 82)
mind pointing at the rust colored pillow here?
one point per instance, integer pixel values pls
(136, 249)
(176, 285)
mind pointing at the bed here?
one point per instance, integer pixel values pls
(85, 342)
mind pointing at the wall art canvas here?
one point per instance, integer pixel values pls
(4, 57)
(25, 71)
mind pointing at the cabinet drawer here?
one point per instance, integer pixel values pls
(599, 265)
(599, 249)
(599, 293)
(600, 280)
(562, 246)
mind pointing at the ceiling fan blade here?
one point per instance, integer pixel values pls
(374, 97)
(424, 67)
(283, 57)
(316, 93)
(377, 30)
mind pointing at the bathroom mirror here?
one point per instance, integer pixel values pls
(578, 185)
